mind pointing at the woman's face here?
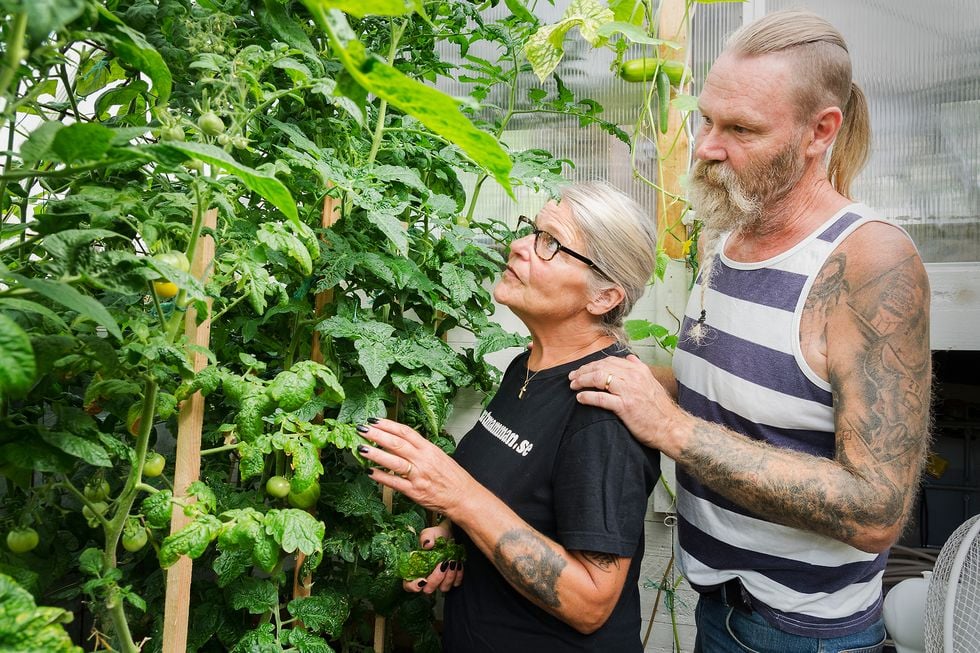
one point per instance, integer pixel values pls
(534, 288)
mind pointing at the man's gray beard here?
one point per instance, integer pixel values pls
(721, 204)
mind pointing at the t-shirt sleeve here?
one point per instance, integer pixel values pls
(603, 479)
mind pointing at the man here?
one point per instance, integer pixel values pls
(802, 378)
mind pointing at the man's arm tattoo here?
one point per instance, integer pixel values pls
(883, 419)
(530, 565)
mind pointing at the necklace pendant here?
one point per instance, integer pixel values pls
(520, 395)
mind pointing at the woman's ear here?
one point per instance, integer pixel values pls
(606, 300)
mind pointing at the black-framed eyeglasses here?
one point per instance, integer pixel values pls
(546, 246)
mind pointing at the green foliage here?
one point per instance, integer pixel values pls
(130, 120)
(29, 628)
(420, 562)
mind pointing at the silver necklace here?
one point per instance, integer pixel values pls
(528, 377)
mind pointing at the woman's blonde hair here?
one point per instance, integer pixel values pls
(621, 239)
(820, 55)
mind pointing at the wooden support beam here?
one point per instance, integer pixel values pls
(673, 146)
(187, 469)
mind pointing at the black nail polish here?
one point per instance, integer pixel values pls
(422, 583)
(452, 564)
(361, 428)
(369, 471)
(361, 448)
(373, 420)
(444, 566)
(460, 567)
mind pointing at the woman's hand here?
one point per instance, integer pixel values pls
(445, 576)
(417, 468)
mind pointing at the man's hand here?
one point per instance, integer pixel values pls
(629, 388)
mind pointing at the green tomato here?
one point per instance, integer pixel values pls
(91, 514)
(172, 133)
(174, 259)
(97, 490)
(22, 540)
(277, 486)
(305, 499)
(211, 123)
(154, 464)
(134, 540)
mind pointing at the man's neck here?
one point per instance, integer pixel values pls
(788, 221)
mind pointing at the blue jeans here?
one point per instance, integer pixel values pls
(722, 629)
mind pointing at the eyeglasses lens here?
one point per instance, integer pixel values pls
(545, 245)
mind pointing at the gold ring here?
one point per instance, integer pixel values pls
(609, 379)
(408, 471)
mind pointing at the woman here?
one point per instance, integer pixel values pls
(547, 495)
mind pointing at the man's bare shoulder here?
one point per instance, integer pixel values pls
(878, 249)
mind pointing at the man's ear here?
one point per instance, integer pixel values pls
(824, 129)
(606, 300)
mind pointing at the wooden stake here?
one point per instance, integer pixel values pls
(671, 234)
(187, 469)
(329, 215)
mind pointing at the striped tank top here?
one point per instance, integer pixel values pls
(749, 374)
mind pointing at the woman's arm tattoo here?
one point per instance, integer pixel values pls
(530, 565)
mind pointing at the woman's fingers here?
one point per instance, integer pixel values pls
(383, 458)
(443, 578)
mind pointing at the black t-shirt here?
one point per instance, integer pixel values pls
(575, 474)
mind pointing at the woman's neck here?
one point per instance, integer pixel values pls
(551, 350)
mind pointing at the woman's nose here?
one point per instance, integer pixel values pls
(523, 245)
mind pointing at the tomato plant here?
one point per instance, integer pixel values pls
(350, 239)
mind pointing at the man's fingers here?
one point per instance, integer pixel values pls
(599, 399)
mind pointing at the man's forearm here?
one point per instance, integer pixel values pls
(788, 487)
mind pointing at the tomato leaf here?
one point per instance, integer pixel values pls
(295, 529)
(157, 508)
(305, 642)
(255, 595)
(17, 366)
(67, 296)
(192, 540)
(262, 183)
(90, 452)
(26, 627)
(433, 108)
(327, 611)
(545, 48)
(130, 46)
(82, 142)
(362, 8)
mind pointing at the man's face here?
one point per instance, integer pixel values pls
(730, 200)
(750, 148)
